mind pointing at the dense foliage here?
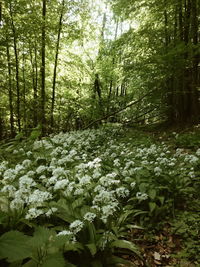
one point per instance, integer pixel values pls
(75, 197)
(66, 64)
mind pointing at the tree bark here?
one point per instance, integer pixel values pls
(12, 131)
(43, 50)
(56, 64)
(34, 65)
(16, 67)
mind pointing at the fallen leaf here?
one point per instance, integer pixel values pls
(157, 256)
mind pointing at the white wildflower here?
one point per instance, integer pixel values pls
(26, 182)
(61, 184)
(89, 216)
(41, 169)
(65, 232)
(29, 154)
(198, 152)
(9, 175)
(157, 170)
(108, 210)
(76, 226)
(79, 191)
(122, 192)
(26, 163)
(51, 211)
(85, 180)
(141, 196)
(39, 197)
(133, 185)
(9, 189)
(33, 213)
(16, 204)
(96, 174)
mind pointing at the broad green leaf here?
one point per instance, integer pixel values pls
(35, 134)
(54, 260)
(114, 260)
(162, 199)
(92, 248)
(143, 187)
(152, 206)
(41, 236)
(19, 136)
(152, 193)
(126, 245)
(73, 247)
(14, 246)
(77, 203)
(123, 217)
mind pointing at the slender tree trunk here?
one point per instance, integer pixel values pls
(33, 60)
(43, 50)
(0, 13)
(111, 80)
(167, 37)
(16, 67)
(56, 64)
(10, 90)
(35, 88)
(195, 104)
(24, 94)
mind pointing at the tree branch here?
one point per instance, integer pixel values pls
(119, 110)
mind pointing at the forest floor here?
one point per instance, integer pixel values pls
(141, 185)
(176, 240)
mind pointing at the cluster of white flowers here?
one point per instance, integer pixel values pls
(33, 213)
(89, 216)
(38, 197)
(76, 226)
(141, 196)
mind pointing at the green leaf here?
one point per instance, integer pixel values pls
(19, 136)
(14, 246)
(92, 248)
(35, 134)
(143, 187)
(126, 245)
(41, 236)
(53, 260)
(162, 199)
(77, 203)
(114, 260)
(152, 206)
(152, 193)
(73, 247)
(123, 217)
(30, 263)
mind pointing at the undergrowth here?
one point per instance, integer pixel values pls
(92, 198)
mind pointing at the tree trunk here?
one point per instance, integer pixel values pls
(43, 98)
(12, 131)
(195, 105)
(24, 94)
(16, 67)
(56, 64)
(33, 60)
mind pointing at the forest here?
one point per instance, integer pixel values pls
(99, 133)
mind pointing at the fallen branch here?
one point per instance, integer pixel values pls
(119, 110)
(135, 120)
